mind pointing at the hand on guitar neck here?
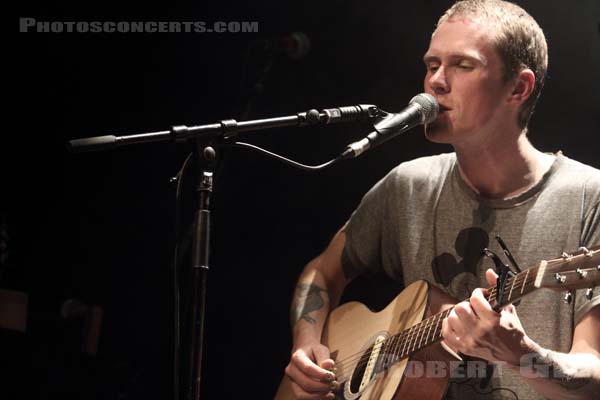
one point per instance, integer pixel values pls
(373, 350)
(474, 328)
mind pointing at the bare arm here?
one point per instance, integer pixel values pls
(573, 375)
(475, 329)
(318, 290)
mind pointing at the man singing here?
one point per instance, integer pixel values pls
(430, 219)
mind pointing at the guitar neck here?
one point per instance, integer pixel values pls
(429, 330)
(578, 270)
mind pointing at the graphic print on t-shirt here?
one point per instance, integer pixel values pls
(469, 246)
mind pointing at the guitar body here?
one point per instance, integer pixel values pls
(371, 350)
(352, 329)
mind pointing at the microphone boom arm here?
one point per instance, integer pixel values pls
(226, 129)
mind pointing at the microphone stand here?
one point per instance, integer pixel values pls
(205, 160)
(205, 137)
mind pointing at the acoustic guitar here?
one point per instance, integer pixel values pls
(376, 354)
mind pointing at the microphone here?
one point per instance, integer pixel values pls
(422, 109)
(296, 45)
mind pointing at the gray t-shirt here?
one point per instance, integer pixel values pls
(422, 221)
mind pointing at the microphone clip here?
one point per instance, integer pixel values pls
(422, 109)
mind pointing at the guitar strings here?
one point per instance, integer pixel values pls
(399, 341)
(404, 341)
(420, 333)
(409, 333)
(525, 279)
(388, 358)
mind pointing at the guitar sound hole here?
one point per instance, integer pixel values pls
(359, 371)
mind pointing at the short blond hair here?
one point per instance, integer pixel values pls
(518, 38)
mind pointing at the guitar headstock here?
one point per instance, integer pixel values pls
(579, 270)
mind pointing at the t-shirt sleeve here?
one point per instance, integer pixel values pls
(362, 252)
(590, 238)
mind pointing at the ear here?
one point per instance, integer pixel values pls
(523, 86)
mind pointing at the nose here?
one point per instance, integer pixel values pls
(438, 82)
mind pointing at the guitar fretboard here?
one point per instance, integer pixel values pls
(429, 330)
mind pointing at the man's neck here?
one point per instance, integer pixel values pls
(504, 169)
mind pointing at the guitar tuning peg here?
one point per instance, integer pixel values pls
(588, 253)
(560, 278)
(581, 273)
(589, 293)
(568, 297)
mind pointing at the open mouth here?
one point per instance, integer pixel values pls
(443, 108)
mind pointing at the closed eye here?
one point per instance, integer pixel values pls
(432, 68)
(467, 67)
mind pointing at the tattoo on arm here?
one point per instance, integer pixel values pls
(308, 299)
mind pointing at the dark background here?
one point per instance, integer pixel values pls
(99, 227)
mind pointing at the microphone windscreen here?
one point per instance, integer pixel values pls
(429, 106)
(296, 45)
